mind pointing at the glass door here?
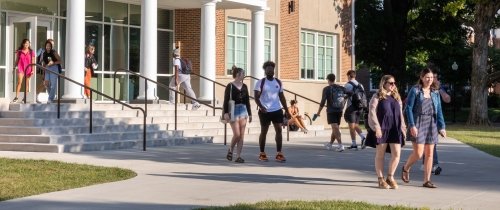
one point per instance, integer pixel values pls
(35, 29)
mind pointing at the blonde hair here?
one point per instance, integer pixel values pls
(382, 92)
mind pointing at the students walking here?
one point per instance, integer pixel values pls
(385, 117)
(334, 95)
(426, 121)
(238, 92)
(270, 99)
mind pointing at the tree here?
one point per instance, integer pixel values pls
(484, 19)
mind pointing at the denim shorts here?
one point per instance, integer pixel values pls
(240, 111)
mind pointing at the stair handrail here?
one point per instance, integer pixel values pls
(295, 96)
(291, 92)
(146, 79)
(59, 76)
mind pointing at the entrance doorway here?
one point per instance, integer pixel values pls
(37, 30)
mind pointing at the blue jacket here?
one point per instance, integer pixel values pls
(414, 102)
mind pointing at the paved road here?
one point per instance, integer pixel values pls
(185, 177)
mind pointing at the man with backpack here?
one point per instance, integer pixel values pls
(270, 99)
(334, 96)
(182, 76)
(356, 104)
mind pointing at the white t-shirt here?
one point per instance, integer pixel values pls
(269, 98)
(177, 62)
(349, 88)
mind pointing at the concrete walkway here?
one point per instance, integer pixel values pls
(185, 177)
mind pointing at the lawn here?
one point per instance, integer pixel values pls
(20, 178)
(268, 205)
(484, 138)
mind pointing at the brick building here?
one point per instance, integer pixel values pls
(306, 39)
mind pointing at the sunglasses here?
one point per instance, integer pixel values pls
(391, 83)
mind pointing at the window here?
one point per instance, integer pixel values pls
(236, 45)
(318, 55)
(269, 43)
(115, 12)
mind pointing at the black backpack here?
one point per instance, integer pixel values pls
(186, 66)
(337, 96)
(358, 97)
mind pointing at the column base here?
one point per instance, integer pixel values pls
(141, 101)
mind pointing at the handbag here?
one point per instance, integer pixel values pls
(231, 105)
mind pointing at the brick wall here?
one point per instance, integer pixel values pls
(345, 41)
(289, 42)
(187, 31)
(220, 42)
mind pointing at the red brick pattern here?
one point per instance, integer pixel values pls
(187, 32)
(289, 44)
(220, 42)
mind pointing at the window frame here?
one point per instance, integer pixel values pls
(316, 45)
(247, 37)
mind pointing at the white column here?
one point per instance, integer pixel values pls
(257, 58)
(207, 49)
(75, 48)
(148, 63)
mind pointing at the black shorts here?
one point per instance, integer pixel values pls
(267, 118)
(334, 117)
(352, 115)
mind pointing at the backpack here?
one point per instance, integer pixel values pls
(358, 97)
(263, 80)
(186, 66)
(337, 96)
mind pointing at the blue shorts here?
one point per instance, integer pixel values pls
(240, 111)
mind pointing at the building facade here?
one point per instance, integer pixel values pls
(307, 40)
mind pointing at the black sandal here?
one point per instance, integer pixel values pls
(229, 156)
(239, 160)
(406, 179)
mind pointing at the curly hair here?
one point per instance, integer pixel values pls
(268, 63)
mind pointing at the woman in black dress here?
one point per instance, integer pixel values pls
(386, 119)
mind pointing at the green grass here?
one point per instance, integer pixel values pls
(309, 205)
(484, 138)
(20, 178)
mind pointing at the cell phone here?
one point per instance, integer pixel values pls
(315, 116)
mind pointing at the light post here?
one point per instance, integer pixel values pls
(454, 66)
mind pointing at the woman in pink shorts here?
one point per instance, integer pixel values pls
(24, 57)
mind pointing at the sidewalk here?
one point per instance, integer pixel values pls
(185, 177)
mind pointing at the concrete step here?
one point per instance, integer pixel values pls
(97, 146)
(60, 122)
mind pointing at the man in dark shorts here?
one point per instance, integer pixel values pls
(333, 112)
(270, 99)
(353, 114)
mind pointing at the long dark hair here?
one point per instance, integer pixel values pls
(434, 85)
(22, 44)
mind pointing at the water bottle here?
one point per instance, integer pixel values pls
(315, 116)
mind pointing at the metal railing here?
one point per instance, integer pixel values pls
(295, 97)
(146, 80)
(92, 90)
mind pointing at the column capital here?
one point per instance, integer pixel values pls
(259, 9)
(210, 1)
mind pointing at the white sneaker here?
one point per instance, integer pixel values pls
(196, 107)
(340, 149)
(328, 146)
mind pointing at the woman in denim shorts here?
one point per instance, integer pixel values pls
(238, 92)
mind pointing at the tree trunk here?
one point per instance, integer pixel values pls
(484, 16)
(396, 28)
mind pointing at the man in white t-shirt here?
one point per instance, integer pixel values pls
(353, 114)
(181, 79)
(270, 99)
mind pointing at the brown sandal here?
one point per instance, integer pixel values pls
(429, 184)
(406, 179)
(229, 155)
